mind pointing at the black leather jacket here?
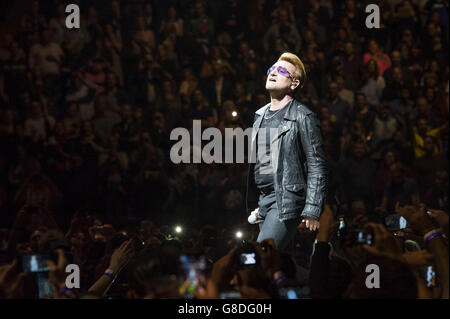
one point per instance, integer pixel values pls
(300, 168)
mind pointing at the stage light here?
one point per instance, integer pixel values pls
(234, 113)
(178, 229)
(239, 234)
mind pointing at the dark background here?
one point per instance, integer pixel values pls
(85, 114)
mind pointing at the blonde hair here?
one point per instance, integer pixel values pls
(300, 72)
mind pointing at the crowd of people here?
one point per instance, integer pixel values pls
(85, 122)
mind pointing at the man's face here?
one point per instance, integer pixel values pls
(429, 94)
(356, 128)
(442, 179)
(111, 80)
(251, 69)
(396, 172)
(389, 158)
(430, 81)
(360, 100)
(340, 82)
(326, 126)
(431, 29)
(333, 89)
(278, 82)
(244, 48)
(239, 89)
(373, 47)
(396, 57)
(405, 93)
(97, 67)
(138, 114)
(422, 126)
(169, 99)
(167, 87)
(397, 74)
(428, 145)
(127, 111)
(158, 121)
(324, 113)
(422, 105)
(199, 8)
(349, 48)
(358, 149)
(198, 96)
(283, 15)
(384, 112)
(145, 137)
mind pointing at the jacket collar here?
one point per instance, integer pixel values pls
(288, 115)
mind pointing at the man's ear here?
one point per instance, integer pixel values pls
(294, 84)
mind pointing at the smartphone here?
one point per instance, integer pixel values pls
(44, 286)
(230, 295)
(360, 237)
(342, 225)
(34, 263)
(294, 292)
(428, 274)
(193, 267)
(247, 259)
(395, 222)
(246, 255)
(356, 236)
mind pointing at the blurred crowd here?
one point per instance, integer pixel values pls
(86, 116)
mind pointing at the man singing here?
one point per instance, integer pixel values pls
(289, 172)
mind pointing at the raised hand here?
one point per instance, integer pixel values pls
(418, 220)
(270, 257)
(11, 282)
(122, 255)
(418, 258)
(440, 217)
(384, 243)
(57, 274)
(224, 269)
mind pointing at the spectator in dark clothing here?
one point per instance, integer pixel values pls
(218, 88)
(351, 66)
(427, 165)
(436, 196)
(338, 108)
(357, 175)
(400, 189)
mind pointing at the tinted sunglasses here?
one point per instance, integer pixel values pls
(281, 71)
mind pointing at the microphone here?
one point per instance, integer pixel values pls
(252, 218)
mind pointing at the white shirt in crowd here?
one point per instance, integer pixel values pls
(46, 57)
(35, 128)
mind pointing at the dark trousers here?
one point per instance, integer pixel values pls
(282, 232)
